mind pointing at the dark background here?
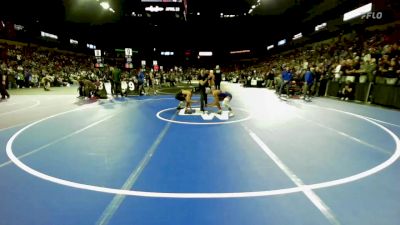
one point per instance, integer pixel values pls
(273, 20)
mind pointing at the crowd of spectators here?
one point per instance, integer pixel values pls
(28, 67)
(358, 57)
(33, 67)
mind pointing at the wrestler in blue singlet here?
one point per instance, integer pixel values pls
(223, 95)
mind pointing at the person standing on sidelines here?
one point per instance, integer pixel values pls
(110, 78)
(318, 73)
(286, 78)
(218, 78)
(116, 76)
(270, 78)
(308, 82)
(3, 82)
(211, 79)
(152, 83)
(141, 82)
(203, 84)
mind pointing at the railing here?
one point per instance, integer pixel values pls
(380, 94)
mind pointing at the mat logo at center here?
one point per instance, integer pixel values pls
(206, 115)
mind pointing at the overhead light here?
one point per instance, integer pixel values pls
(270, 47)
(205, 53)
(167, 53)
(72, 41)
(105, 5)
(221, 14)
(250, 11)
(198, 13)
(357, 12)
(52, 36)
(91, 46)
(229, 16)
(253, 7)
(112, 10)
(133, 14)
(320, 27)
(258, 1)
(240, 52)
(282, 42)
(18, 27)
(297, 36)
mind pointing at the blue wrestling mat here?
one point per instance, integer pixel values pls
(140, 161)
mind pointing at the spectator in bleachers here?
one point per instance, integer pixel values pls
(347, 71)
(35, 79)
(337, 71)
(392, 72)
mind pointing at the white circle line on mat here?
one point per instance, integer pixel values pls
(327, 184)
